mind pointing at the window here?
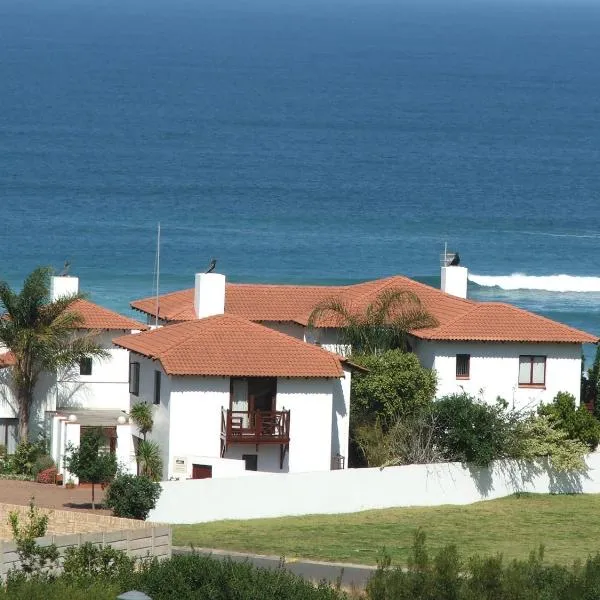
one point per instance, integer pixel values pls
(85, 366)
(532, 370)
(134, 378)
(8, 435)
(463, 366)
(156, 387)
(251, 461)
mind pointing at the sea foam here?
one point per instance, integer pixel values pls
(550, 283)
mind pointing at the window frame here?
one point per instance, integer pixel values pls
(88, 362)
(134, 378)
(467, 358)
(532, 358)
(157, 385)
(8, 422)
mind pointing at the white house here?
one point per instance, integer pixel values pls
(94, 393)
(232, 396)
(487, 349)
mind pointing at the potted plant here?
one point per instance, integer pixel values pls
(70, 484)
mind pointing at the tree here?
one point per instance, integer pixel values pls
(577, 422)
(590, 384)
(141, 415)
(384, 324)
(471, 431)
(34, 558)
(90, 462)
(41, 336)
(149, 461)
(132, 497)
(394, 386)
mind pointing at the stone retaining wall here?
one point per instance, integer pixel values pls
(65, 521)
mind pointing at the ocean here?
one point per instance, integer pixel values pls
(308, 142)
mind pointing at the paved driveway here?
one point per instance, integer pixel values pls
(49, 496)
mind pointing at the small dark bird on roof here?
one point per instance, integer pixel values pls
(455, 261)
(65, 270)
(212, 266)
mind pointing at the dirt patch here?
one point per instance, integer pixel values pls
(51, 496)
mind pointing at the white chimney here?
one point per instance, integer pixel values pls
(209, 295)
(62, 286)
(454, 277)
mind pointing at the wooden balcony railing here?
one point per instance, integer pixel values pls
(258, 427)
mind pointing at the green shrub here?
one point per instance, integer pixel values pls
(41, 464)
(471, 431)
(132, 496)
(395, 385)
(577, 422)
(90, 560)
(448, 577)
(26, 454)
(189, 577)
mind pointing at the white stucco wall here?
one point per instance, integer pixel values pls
(160, 431)
(106, 388)
(494, 370)
(340, 423)
(292, 329)
(310, 402)
(195, 416)
(353, 490)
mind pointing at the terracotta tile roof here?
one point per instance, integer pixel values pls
(499, 322)
(98, 317)
(256, 302)
(7, 360)
(227, 345)
(458, 318)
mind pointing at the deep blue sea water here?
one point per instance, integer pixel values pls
(304, 141)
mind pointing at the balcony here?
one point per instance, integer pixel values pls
(256, 427)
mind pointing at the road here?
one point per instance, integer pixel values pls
(351, 575)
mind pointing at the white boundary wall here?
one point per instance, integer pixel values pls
(352, 490)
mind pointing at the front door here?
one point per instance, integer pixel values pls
(201, 471)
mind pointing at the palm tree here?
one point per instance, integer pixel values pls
(382, 325)
(149, 460)
(141, 415)
(41, 336)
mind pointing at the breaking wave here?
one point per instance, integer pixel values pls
(550, 283)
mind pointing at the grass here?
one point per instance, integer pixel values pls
(567, 526)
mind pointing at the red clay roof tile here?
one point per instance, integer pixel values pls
(458, 318)
(98, 317)
(230, 346)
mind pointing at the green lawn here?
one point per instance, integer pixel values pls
(568, 527)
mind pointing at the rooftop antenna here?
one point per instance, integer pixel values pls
(449, 259)
(157, 272)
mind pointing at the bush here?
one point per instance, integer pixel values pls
(23, 461)
(395, 385)
(577, 422)
(47, 475)
(468, 430)
(42, 463)
(190, 577)
(447, 576)
(90, 560)
(132, 496)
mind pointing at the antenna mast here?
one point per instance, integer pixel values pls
(157, 274)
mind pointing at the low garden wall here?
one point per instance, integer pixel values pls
(141, 542)
(70, 528)
(353, 490)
